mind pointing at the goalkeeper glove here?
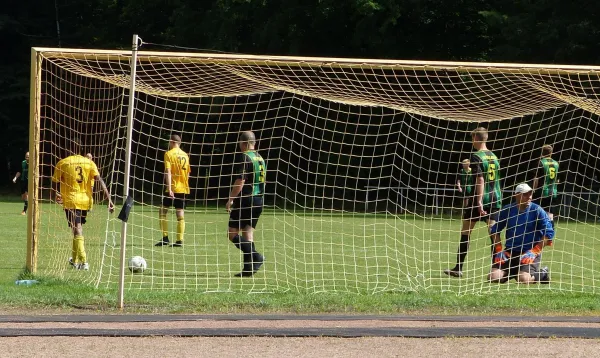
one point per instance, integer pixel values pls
(529, 257)
(500, 256)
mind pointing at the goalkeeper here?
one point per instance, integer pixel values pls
(528, 231)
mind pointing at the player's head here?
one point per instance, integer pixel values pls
(27, 157)
(89, 156)
(546, 150)
(174, 141)
(523, 194)
(247, 141)
(465, 164)
(479, 136)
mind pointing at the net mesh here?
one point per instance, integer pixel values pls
(362, 159)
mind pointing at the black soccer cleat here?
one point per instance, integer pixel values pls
(453, 272)
(163, 242)
(177, 243)
(246, 271)
(257, 261)
(544, 276)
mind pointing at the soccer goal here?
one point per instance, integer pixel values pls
(358, 151)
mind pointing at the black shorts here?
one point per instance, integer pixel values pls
(471, 213)
(24, 186)
(550, 204)
(513, 266)
(178, 202)
(246, 212)
(76, 216)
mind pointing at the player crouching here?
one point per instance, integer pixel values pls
(528, 231)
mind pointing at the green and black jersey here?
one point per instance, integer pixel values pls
(466, 180)
(24, 171)
(252, 169)
(484, 163)
(548, 172)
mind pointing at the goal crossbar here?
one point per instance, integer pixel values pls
(183, 57)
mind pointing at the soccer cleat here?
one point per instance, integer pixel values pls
(257, 261)
(84, 266)
(544, 276)
(163, 242)
(23, 213)
(177, 243)
(73, 264)
(246, 271)
(453, 272)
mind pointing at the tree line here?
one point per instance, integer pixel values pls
(543, 31)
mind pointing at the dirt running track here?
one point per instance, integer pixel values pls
(296, 336)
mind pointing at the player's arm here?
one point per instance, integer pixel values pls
(17, 176)
(238, 184)
(56, 177)
(479, 183)
(168, 175)
(500, 256)
(98, 179)
(546, 231)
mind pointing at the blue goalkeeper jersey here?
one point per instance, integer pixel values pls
(523, 229)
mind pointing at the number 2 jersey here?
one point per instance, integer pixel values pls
(75, 175)
(179, 163)
(486, 164)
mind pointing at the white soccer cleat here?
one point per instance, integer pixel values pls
(84, 266)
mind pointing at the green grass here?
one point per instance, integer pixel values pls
(315, 263)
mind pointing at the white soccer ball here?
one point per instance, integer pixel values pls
(137, 264)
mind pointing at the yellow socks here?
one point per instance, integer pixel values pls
(180, 228)
(164, 225)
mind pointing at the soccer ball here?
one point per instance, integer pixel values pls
(137, 264)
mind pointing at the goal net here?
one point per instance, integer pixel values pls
(362, 159)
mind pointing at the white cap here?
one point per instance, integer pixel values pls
(523, 188)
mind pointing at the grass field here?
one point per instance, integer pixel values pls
(315, 263)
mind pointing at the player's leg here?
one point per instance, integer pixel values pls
(497, 275)
(257, 258)
(490, 221)
(24, 196)
(179, 204)
(162, 219)
(236, 236)
(539, 275)
(79, 257)
(465, 234)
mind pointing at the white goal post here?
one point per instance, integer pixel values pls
(346, 142)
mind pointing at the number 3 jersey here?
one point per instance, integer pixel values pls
(486, 164)
(179, 163)
(75, 175)
(252, 169)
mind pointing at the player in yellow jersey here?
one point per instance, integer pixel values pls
(72, 176)
(177, 173)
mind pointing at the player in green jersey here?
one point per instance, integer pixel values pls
(24, 182)
(546, 177)
(464, 182)
(487, 198)
(245, 202)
